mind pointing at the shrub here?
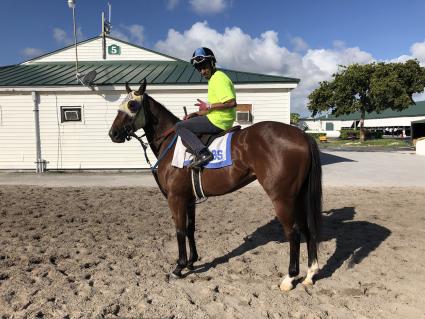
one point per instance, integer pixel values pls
(316, 135)
(374, 134)
(349, 134)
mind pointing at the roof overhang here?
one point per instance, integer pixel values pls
(151, 87)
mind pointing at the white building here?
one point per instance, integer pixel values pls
(388, 121)
(41, 97)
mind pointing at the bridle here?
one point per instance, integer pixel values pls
(139, 120)
(136, 113)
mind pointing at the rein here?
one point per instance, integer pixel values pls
(154, 168)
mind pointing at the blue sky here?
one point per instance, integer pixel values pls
(303, 39)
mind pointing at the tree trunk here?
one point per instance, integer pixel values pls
(362, 130)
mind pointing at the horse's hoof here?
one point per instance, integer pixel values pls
(174, 275)
(287, 284)
(308, 282)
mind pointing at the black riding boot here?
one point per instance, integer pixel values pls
(204, 157)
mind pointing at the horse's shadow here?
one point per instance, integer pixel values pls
(326, 159)
(355, 240)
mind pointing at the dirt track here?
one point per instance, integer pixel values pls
(106, 252)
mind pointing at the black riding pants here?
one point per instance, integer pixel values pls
(188, 129)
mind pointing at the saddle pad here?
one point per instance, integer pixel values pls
(220, 148)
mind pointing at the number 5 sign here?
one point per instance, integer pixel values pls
(114, 49)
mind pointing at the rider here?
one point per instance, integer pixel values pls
(214, 116)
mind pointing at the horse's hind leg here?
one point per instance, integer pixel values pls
(313, 264)
(285, 214)
(193, 255)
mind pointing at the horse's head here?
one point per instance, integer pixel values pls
(131, 114)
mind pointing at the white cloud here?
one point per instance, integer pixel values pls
(134, 33)
(419, 96)
(63, 38)
(171, 4)
(418, 51)
(119, 35)
(237, 50)
(137, 33)
(299, 44)
(401, 59)
(32, 52)
(60, 36)
(208, 6)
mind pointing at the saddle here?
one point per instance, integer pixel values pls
(196, 174)
(207, 139)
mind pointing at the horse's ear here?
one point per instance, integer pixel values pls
(142, 87)
(127, 87)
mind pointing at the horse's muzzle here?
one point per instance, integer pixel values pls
(117, 136)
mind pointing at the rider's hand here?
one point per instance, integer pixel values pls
(189, 116)
(203, 106)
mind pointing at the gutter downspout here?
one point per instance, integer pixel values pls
(40, 164)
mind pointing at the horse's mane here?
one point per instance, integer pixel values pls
(167, 112)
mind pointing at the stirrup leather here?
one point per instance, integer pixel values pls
(197, 186)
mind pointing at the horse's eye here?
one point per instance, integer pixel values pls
(132, 106)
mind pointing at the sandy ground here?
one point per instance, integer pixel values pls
(340, 168)
(93, 252)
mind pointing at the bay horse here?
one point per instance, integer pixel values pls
(283, 159)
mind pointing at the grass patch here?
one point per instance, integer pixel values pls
(389, 143)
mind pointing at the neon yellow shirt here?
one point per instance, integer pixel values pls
(220, 90)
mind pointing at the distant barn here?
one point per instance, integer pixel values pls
(72, 120)
(389, 122)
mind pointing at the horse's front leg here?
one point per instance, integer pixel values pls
(193, 256)
(178, 207)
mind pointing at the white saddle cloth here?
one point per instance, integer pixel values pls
(220, 148)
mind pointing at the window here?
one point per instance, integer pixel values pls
(70, 114)
(243, 113)
(329, 126)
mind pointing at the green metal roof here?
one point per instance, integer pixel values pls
(417, 109)
(119, 72)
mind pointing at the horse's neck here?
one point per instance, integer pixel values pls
(161, 121)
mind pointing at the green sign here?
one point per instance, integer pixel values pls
(114, 49)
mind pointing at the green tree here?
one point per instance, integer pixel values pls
(367, 88)
(295, 118)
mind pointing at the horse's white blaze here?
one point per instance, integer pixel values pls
(314, 269)
(287, 283)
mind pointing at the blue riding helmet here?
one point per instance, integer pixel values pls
(202, 55)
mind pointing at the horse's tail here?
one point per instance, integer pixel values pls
(313, 193)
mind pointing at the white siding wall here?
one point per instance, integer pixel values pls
(17, 132)
(92, 51)
(267, 105)
(86, 144)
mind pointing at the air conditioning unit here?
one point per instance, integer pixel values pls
(243, 117)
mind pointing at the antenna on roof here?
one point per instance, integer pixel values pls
(106, 29)
(84, 79)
